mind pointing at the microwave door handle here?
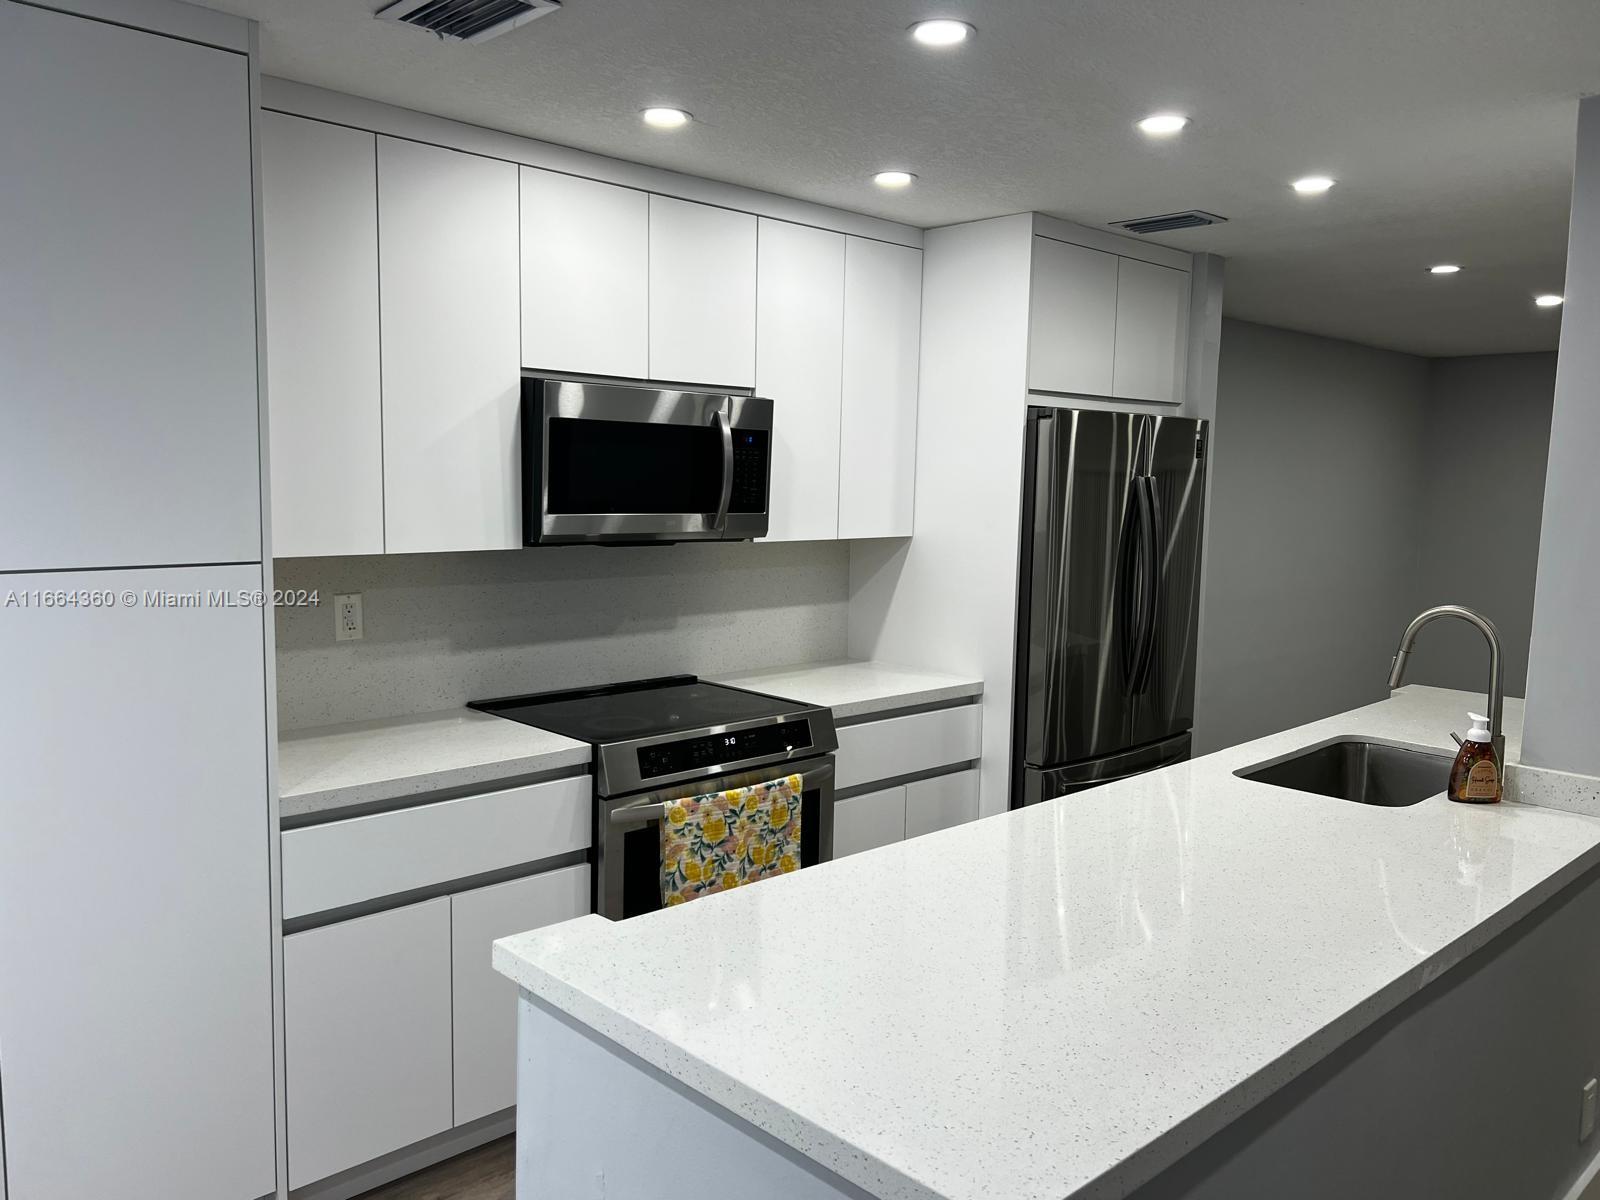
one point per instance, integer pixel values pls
(724, 425)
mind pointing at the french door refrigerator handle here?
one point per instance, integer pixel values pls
(1150, 550)
(1127, 628)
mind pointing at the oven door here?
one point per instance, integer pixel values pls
(627, 832)
(609, 463)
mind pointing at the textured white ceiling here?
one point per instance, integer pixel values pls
(1449, 124)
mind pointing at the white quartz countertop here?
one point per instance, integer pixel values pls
(1061, 1001)
(857, 689)
(371, 762)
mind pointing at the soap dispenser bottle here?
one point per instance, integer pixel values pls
(1475, 776)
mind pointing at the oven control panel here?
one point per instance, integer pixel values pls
(720, 749)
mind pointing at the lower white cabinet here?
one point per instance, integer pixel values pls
(485, 1001)
(941, 802)
(869, 821)
(887, 749)
(367, 1040)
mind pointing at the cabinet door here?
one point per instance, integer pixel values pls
(702, 294)
(320, 238)
(1152, 331)
(878, 417)
(485, 1000)
(366, 1013)
(1072, 324)
(585, 276)
(941, 802)
(447, 250)
(129, 426)
(866, 822)
(135, 920)
(799, 348)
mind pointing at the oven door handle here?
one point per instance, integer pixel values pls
(643, 814)
(722, 420)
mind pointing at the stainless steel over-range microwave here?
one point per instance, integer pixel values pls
(604, 462)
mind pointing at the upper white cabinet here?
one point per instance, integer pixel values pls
(702, 294)
(585, 276)
(320, 231)
(448, 269)
(878, 418)
(128, 375)
(799, 353)
(1073, 320)
(1152, 331)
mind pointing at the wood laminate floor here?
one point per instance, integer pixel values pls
(487, 1173)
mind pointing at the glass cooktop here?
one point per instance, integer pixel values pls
(647, 708)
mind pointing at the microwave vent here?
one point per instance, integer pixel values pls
(467, 20)
(1167, 222)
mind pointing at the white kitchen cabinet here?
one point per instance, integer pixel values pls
(485, 1002)
(702, 294)
(878, 412)
(869, 821)
(367, 1040)
(941, 802)
(886, 749)
(135, 917)
(128, 307)
(585, 276)
(448, 293)
(1152, 332)
(320, 234)
(799, 349)
(1072, 325)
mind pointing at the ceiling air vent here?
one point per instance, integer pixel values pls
(467, 20)
(1167, 222)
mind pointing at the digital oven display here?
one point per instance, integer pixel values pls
(715, 749)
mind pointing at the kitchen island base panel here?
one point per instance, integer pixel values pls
(595, 1121)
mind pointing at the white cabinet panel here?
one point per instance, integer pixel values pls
(320, 235)
(866, 822)
(878, 419)
(485, 1002)
(382, 854)
(941, 802)
(702, 294)
(905, 745)
(449, 291)
(585, 276)
(1072, 326)
(135, 923)
(799, 348)
(366, 1037)
(1152, 331)
(130, 431)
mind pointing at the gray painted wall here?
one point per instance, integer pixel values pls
(442, 629)
(1564, 661)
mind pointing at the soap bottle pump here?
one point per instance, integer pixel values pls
(1475, 775)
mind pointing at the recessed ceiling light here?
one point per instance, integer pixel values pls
(665, 118)
(1443, 269)
(941, 32)
(1548, 301)
(1163, 124)
(893, 179)
(1312, 185)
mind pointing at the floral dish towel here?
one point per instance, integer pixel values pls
(727, 839)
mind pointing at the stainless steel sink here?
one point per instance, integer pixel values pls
(1364, 772)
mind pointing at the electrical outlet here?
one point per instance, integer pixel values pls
(1586, 1110)
(347, 618)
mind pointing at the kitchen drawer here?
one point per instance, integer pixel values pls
(941, 802)
(363, 858)
(867, 822)
(903, 745)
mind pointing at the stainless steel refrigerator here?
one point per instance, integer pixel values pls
(1107, 599)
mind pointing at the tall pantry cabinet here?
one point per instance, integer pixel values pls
(136, 1048)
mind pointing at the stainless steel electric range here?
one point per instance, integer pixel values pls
(659, 740)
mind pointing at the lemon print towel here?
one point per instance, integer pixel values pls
(727, 839)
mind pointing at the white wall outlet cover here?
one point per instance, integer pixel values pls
(347, 617)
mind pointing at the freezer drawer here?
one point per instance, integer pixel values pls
(1046, 783)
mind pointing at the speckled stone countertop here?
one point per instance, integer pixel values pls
(1063, 1000)
(372, 762)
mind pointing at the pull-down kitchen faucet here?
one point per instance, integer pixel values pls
(1497, 692)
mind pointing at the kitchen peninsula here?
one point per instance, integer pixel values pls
(1163, 987)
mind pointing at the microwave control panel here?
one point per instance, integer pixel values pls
(750, 457)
